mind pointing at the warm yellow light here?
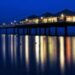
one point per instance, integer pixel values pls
(37, 48)
(69, 19)
(62, 15)
(73, 18)
(27, 50)
(55, 19)
(45, 20)
(50, 19)
(73, 49)
(52, 46)
(43, 50)
(62, 58)
(36, 20)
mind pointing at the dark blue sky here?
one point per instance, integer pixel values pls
(18, 9)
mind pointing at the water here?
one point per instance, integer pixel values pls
(37, 55)
(22, 54)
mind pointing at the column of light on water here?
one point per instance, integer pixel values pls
(52, 49)
(68, 49)
(73, 49)
(4, 47)
(42, 51)
(21, 48)
(37, 49)
(27, 50)
(12, 48)
(15, 48)
(62, 59)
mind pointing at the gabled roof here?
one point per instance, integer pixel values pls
(32, 17)
(66, 12)
(47, 14)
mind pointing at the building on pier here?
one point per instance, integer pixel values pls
(63, 16)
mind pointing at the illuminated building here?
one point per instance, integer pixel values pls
(63, 16)
(48, 18)
(33, 19)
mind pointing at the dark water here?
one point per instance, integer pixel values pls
(21, 54)
(37, 55)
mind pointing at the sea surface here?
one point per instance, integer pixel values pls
(49, 52)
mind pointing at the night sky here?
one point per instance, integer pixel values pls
(18, 9)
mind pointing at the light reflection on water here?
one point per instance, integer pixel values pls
(37, 49)
(43, 51)
(3, 38)
(62, 55)
(15, 49)
(47, 51)
(73, 49)
(68, 49)
(52, 44)
(11, 47)
(27, 51)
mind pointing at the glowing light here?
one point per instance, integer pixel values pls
(14, 21)
(36, 21)
(73, 18)
(4, 24)
(4, 47)
(73, 49)
(69, 19)
(62, 59)
(41, 17)
(21, 48)
(52, 49)
(37, 48)
(11, 22)
(42, 50)
(26, 19)
(27, 49)
(15, 48)
(12, 48)
(62, 15)
(68, 48)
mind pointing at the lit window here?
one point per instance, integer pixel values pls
(37, 20)
(45, 20)
(73, 18)
(69, 19)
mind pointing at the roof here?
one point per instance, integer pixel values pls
(47, 14)
(32, 17)
(66, 12)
